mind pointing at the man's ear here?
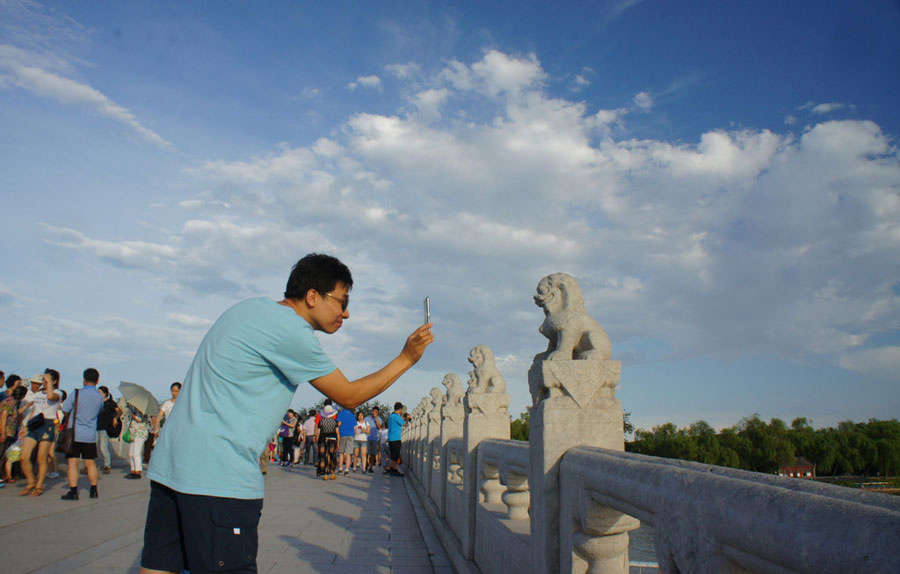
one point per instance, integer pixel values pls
(312, 298)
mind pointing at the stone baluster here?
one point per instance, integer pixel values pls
(491, 489)
(572, 386)
(486, 406)
(601, 544)
(516, 498)
(454, 469)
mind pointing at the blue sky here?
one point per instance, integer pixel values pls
(723, 180)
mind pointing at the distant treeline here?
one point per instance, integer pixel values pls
(871, 448)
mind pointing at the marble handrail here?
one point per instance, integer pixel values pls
(714, 519)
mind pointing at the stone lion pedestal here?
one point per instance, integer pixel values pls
(487, 416)
(576, 407)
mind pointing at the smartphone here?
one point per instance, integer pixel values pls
(427, 310)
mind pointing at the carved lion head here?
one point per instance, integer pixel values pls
(480, 355)
(451, 381)
(557, 292)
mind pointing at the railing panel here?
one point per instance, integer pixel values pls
(456, 508)
(502, 528)
(712, 519)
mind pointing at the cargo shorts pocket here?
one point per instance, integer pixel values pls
(235, 537)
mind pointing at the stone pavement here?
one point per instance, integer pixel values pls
(355, 524)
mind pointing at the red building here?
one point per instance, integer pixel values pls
(801, 468)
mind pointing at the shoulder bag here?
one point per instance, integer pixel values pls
(66, 438)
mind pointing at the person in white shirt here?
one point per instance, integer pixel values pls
(40, 412)
(360, 437)
(165, 409)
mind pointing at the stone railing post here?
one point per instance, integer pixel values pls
(486, 406)
(451, 426)
(420, 418)
(432, 437)
(572, 386)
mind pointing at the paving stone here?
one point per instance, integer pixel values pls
(356, 524)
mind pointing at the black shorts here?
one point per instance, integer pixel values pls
(200, 533)
(85, 450)
(395, 450)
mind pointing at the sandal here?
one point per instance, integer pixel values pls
(27, 490)
(38, 490)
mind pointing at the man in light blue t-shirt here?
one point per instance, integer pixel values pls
(90, 401)
(396, 420)
(206, 488)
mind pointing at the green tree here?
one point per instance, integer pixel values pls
(518, 428)
(627, 425)
(871, 448)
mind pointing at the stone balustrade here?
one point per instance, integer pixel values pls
(566, 500)
(715, 519)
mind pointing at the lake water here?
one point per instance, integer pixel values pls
(640, 544)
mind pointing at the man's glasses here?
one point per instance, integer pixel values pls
(345, 302)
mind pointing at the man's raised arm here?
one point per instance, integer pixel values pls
(351, 394)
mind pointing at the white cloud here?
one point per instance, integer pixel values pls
(582, 80)
(880, 362)
(496, 74)
(828, 108)
(140, 254)
(406, 71)
(617, 9)
(644, 101)
(186, 320)
(49, 84)
(7, 296)
(745, 241)
(428, 103)
(372, 82)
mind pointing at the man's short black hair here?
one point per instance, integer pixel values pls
(175, 384)
(91, 375)
(54, 374)
(398, 406)
(318, 272)
(12, 380)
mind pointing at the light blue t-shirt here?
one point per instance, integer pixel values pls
(235, 394)
(395, 427)
(90, 401)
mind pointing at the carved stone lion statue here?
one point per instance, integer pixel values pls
(571, 332)
(485, 378)
(455, 392)
(437, 398)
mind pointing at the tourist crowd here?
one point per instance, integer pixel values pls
(34, 412)
(337, 441)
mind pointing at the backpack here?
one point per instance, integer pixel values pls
(113, 422)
